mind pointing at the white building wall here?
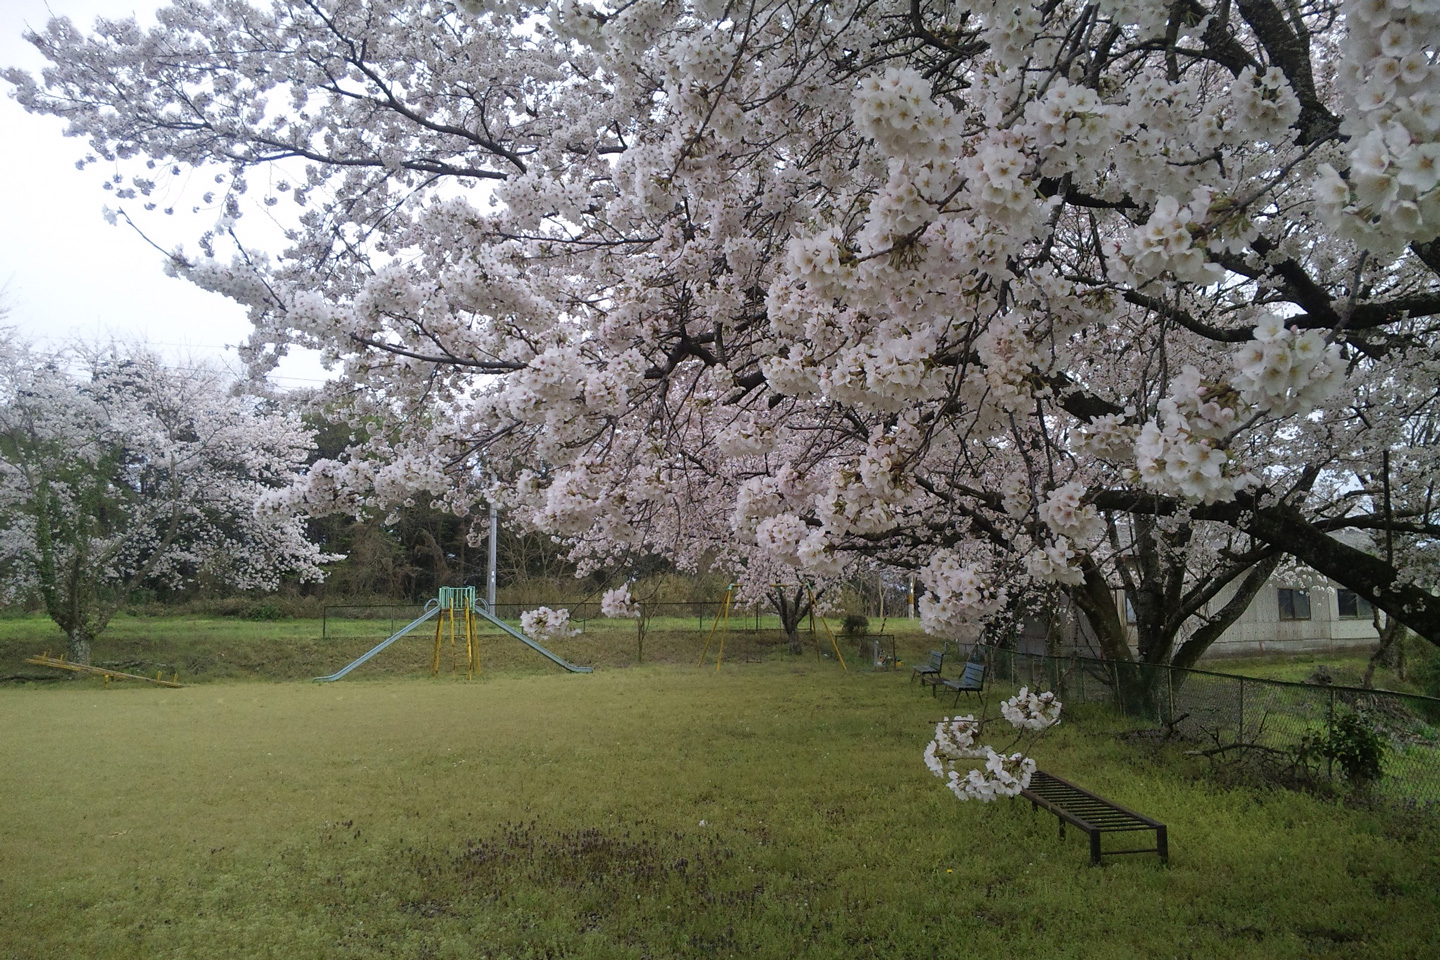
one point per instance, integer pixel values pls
(1259, 630)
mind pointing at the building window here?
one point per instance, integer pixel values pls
(1294, 604)
(1353, 606)
(1129, 610)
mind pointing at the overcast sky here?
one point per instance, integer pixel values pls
(70, 274)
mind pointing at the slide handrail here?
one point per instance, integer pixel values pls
(430, 611)
(480, 611)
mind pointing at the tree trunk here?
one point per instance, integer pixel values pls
(77, 646)
(791, 610)
(1213, 626)
(1140, 687)
(642, 626)
(1392, 631)
(792, 635)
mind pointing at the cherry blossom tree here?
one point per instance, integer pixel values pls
(1027, 296)
(118, 472)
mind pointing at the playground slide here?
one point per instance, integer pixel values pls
(484, 614)
(427, 615)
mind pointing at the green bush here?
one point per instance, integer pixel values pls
(1353, 743)
(855, 625)
(1425, 669)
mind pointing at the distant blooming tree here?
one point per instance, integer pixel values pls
(620, 603)
(118, 472)
(1035, 298)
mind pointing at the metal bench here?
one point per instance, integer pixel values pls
(1093, 814)
(972, 680)
(931, 669)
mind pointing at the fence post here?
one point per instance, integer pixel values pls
(324, 622)
(1241, 735)
(1329, 732)
(1170, 692)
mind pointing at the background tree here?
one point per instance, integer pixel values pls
(118, 472)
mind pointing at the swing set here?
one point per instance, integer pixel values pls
(722, 623)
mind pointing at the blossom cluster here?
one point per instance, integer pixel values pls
(1055, 563)
(1013, 29)
(897, 110)
(1184, 452)
(1282, 371)
(955, 739)
(1068, 124)
(570, 19)
(1390, 194)
(1110, 437)
(745, 437)
(1166, 243)
(619, 603)
(543, 623)
(1285, 371)
(1146, 18)
(1003, 775)
(1010, 360)
(1032, 711)
(958, 595)
(1064, 514)
(887, 376)
(1263, 107)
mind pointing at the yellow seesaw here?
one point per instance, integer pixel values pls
(60, 663)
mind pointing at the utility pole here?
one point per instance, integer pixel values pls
(490, 575)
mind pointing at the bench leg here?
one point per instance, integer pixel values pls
(1095, 848)
(1162, 844)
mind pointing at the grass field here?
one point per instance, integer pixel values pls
(1345, 669)
(772, 809)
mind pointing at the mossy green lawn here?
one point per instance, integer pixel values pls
(775, 809)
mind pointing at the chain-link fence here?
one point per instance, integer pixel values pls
(702, 612)
(398, 614)
(1307, 728)
(387, 617)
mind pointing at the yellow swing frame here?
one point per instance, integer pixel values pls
(724, 618)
